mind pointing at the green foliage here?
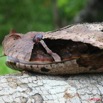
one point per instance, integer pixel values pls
(24, 16)
(29, 15)
(3, 68)
(69, 8)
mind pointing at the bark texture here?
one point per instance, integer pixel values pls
(31, 88)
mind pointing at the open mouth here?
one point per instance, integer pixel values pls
(56, 51)
(67, 49)
(58, 56)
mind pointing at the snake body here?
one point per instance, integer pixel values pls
(70, 50)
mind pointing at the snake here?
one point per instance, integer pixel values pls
(73, 49)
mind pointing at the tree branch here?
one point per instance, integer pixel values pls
(30, 88)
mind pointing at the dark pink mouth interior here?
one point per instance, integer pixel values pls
(67, 50)
(85, 55)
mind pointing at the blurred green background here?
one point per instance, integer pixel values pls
(44, 15)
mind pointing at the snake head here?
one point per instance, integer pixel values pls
(20, 46)
(37, 38)
(77, 49)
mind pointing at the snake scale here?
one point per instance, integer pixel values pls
(70, 50)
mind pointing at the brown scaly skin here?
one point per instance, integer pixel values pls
(72, 50)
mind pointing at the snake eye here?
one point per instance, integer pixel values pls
(37, 38)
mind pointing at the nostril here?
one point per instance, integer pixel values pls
(37, 38)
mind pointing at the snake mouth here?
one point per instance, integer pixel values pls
(53, 51)
(56, 51)
(58, 56)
